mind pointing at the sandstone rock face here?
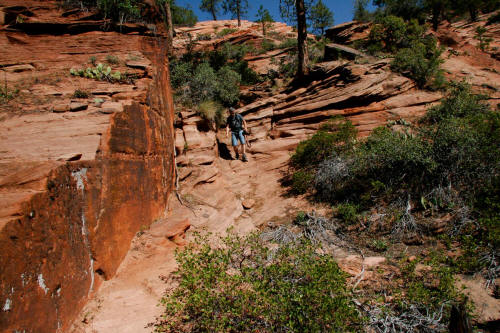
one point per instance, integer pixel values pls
(75, 187)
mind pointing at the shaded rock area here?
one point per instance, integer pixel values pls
(84, 163)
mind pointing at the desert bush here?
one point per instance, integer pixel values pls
(203, 84)
(346, 211)
(288, 43)
(212, 111)
(335, 136)
(112, 59)
(244, 286)
(228, 85)
(226, 31)
(180, 73)
(80, 94)
(421, 62)
(301, 181)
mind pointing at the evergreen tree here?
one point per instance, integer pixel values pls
(264, 17)
(321, 17)
(211, 6)
(360, 12)
(237, 8)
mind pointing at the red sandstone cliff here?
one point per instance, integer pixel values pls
(78, 178)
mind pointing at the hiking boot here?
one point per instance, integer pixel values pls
(237, 156)
(244, 159)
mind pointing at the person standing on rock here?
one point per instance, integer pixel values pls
(238, 125)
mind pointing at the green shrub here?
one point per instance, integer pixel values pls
(484, 42)
(379, 245)
(392, 33)
(421, 62)
(348, 212)
(302, 181)
(267, 45)
(112, 59)
(240, 287)
(80, 94)
(180, 73)
(228, 86)
(333, 137)
(288, 43)
(92, 60)
(226, 31)
(203, 84)
(119, 10)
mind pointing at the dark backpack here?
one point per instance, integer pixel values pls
(236, 122)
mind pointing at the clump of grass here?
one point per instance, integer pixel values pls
(80, 94)
(112, 59)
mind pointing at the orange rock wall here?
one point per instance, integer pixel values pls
(76, 232)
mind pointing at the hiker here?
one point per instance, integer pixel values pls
(238, 126)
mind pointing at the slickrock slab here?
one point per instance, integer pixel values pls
(19, 68)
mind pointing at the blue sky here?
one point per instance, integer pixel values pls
(342, 9)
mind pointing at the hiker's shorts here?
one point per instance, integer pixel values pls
(235, 136)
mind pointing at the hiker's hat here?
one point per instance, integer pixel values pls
(231, 109)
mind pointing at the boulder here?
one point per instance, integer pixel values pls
(248, 203)
(77, 106)
(336, 51)
(59, 108)
(111, 107)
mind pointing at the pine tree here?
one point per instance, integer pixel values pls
(264, 17)
(211, 6)
(237, 8)
(360, 12)
(321, 17)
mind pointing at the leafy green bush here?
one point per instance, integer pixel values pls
(228, 85)
(390, 33)
(203, 84)
(421, 62)
(348, 212)
(180, 73)
(240, 287)
(335, 136)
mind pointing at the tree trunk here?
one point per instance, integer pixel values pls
(473, 13)
(213, 13)
(238, 14)
(170, 26)
(436, 14)
(302, 68)
(263, 28)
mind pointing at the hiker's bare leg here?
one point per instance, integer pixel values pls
(235, 148)
(243, 148)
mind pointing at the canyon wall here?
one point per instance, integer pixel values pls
(76, 183)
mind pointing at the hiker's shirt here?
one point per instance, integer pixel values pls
(235, 123)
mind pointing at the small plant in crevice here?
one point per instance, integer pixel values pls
(484, 42)
(80, 94)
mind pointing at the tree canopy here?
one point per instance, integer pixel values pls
(321, 17)
(211, 6)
